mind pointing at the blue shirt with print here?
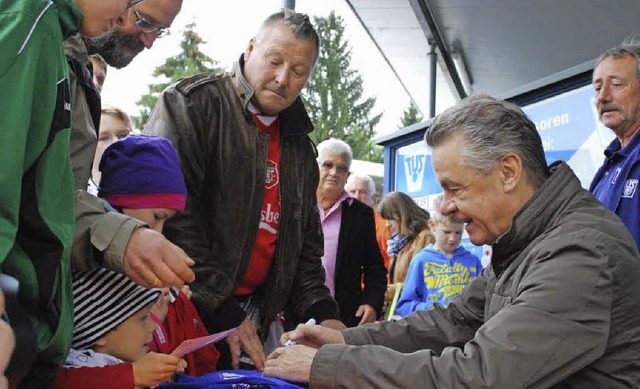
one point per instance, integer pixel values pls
(616, 183)
(433, 278)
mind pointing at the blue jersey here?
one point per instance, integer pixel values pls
(616, 183)
(433, 278)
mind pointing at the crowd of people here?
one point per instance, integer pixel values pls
(224, 215)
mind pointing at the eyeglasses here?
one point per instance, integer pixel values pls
(131, 3)
(328, 165)
(147, 27)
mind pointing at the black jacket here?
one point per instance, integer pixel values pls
(224, 160)
(358, 255)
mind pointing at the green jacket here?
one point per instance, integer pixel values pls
(36, 184)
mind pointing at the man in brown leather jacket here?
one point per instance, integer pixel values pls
(251, 223)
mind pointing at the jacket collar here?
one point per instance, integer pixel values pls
(536, 215)
(75, 48)
(294, 119)
(615, 147)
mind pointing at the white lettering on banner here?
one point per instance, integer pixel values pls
(414, 171)
(553, 121)
(547, 144)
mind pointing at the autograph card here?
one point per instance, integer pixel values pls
(191, 345)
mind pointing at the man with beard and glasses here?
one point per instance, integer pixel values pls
(110, 239)
(616, 80)
(148, 21)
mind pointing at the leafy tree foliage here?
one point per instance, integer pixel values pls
(410, 116)
(188, 62)
(334, 94)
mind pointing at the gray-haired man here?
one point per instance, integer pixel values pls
(557, 306)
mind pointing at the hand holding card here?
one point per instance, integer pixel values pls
(191, 345)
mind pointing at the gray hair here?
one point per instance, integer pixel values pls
(336, 146)
(491, 128)
(363, 177)
(630, 46)
(298, 23)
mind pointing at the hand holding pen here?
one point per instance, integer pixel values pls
(310, 322)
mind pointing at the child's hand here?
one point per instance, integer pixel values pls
(153, 369)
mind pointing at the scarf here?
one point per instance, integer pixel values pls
(89, 358)
(395, 244)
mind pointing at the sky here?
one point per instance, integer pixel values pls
(227, 27)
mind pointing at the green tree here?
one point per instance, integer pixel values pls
(188, 62)
(334, 94)
(410, 116)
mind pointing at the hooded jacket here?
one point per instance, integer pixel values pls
(556, 308)
(36, 185)
(434, 278)
(224, 161)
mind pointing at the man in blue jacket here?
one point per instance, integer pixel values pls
(616, 80)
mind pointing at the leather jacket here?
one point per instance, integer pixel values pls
(224, 160)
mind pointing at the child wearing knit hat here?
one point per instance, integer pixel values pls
(141, 177)
(111, 332)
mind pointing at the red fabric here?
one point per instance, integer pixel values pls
(182, 323)
(265, 247)
(160, 343)
(118, 376)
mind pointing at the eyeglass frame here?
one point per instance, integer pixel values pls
(132, 3)
(159, 31)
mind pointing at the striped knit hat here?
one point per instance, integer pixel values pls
(102, 300)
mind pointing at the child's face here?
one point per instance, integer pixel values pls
(129, 340)
(111, 130)
(154, 217)
(448, 235)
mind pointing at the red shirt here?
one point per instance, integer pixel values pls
(265, 247)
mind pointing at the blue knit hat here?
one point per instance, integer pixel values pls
(142, 171)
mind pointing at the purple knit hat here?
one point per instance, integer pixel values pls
(142, 171)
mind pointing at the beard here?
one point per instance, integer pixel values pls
(117, 49)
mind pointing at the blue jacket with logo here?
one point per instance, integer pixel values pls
(616, 183)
